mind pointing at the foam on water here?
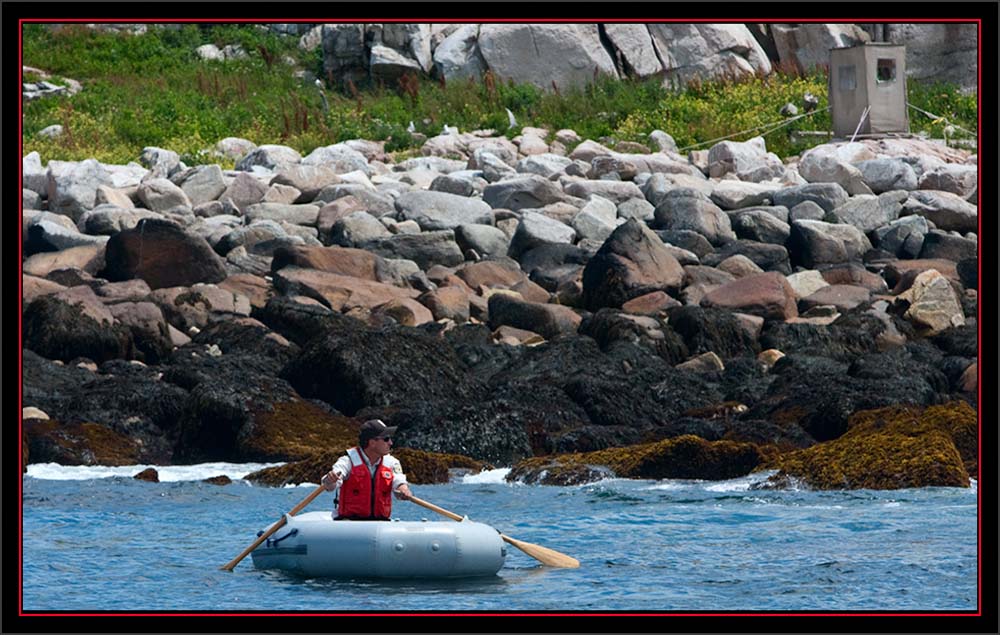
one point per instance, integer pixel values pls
(487, 476)
(742, 484)
(167, 473)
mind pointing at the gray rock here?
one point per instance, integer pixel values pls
(805, 283)
(903, 237)
(637, 208)
(389, 64)
(426, 249)
(635, 46)
(962, 180)
(30, 199)
(437, 164)
(827, 195)
(161, 195)
(708, 51)
(114, 196)
(731, 157)
(883, 175)
(297, 214)
(72, 187)
(806, 46)
(205, 183)
(545, 165)
(687, 240)
(339, 157)
(546, 55)
(737, 194)
(485, 240)
(440, 210)
(868, 213)
(108, 220)
(806, 210)
(659, 185)
(663, 141)
(946, 210)
(688, 209)
(943, 52)
(812, 243)
(269, 156)
(46, 233)
(939, 244)
(357, 229)
(309, 180)
(450, 184)
(818, 166)
(458, 57)
(209, 52)
(284, 194)
(377, 204)
(493, 167)
(344, 53)
(535, 230)
(33, 176)
(161, 162)
(519, 193)
(248, 236)
(235, 148)
(616, 191)
(596, 220)
(244, 191)
(768, 257)
(51, 132)
(761, 226)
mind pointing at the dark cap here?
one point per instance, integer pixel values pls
(373, 429)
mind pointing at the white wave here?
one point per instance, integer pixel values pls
(166, 473)
(741, 484)
(487, 476)
(669, 486)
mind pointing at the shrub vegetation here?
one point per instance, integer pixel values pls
(152, 89)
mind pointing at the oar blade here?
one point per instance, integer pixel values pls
(546, 556)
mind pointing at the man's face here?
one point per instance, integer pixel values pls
(380, 445)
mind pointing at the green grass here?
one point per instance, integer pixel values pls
(153, 90)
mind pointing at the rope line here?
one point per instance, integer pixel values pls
(936, 117)
(776, 125)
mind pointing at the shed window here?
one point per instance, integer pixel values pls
(848, 77)
(885, 71)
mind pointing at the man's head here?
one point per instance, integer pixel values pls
(375, 431)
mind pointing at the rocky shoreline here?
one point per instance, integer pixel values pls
(512, 303)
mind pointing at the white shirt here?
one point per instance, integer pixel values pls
(343, 467)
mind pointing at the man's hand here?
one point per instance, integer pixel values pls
(403, 492)
(330, 481)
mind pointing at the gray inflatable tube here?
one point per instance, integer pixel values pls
(313, 545)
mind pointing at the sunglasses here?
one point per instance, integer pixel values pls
(386, 439)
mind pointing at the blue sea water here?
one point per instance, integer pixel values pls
(98, 540)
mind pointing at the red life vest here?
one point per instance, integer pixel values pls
(362, 495)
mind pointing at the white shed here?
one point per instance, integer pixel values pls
(868, 85)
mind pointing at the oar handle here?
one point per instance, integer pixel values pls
(275, 527)
(433, 507)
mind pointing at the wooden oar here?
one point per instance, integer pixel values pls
(542, 554)
(275, 527)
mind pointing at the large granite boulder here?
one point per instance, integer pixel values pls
(163, 254)
(632, 262)
(563, 56)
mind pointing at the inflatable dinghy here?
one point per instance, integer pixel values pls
(314, 545)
